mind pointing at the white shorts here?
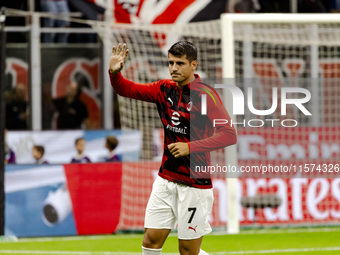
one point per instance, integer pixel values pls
(172, 202)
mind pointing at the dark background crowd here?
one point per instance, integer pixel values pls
(83, 9)
(88, 10)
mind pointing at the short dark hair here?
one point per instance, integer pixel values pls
(112, 142)
(78, 139)
(40, 149)
(182, 48)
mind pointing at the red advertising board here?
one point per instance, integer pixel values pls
(95, 191)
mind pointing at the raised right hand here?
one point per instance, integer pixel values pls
(117, 58)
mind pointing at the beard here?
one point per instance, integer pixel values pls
(177, 78)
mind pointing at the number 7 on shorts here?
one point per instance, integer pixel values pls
(193, 209)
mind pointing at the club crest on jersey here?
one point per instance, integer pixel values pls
(175, 118)
(189, 107)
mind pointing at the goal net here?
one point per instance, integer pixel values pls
(262, 55)
(297, 153)
(148, 62)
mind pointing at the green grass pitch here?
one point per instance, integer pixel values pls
(309, 241)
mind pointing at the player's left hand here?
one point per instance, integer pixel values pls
(179, 149)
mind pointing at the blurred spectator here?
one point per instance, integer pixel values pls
(276, 6)
(38, 152)
(9, 154)
(283, 6)
(111, 144)
(72, 112)
(90, 11)
(55, 7)
(313, 6)
(262, 6)
(334, 6)
(16, 109)
(246, 6)
(80, 147)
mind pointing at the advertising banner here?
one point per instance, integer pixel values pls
(295, 152)
(101, 198)
(62, 199)
(60, 145)
(299, 167)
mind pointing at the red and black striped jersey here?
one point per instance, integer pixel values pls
(183, 121)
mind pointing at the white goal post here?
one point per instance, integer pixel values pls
(228, 22)
(243, 46)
